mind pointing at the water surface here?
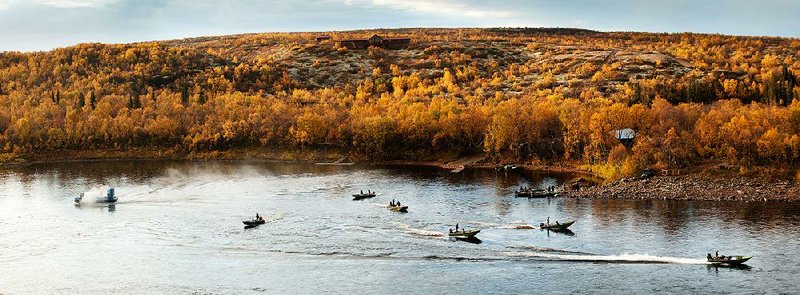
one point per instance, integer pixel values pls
(177, 229)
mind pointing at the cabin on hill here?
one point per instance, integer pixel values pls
(376, 41)
(625, 136)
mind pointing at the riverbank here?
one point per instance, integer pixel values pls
(696, 186)
(702, 184)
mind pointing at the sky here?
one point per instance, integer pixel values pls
(32, 25)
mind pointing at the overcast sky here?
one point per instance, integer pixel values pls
(45, 24)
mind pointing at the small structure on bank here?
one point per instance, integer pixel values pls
(376, 41)
(625, 136)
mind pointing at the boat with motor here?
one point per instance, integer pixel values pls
(557, 226)
(397, 208)
(254, 222)
(108, 198)
(728, 260)
(535, 193)
(362, 195)
(464, 234)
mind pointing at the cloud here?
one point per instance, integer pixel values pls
(5, 4)
(75, 3)
(446, 7)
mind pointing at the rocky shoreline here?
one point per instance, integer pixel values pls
(700, 186)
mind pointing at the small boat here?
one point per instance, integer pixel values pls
(254, 222)
(363, 196)
(543, 194)
(522, 194)
(535, 193)
(729, 260)
(108, 198)
(403, 209)
(558, 226)
(464, 234)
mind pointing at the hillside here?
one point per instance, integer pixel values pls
(520, 94)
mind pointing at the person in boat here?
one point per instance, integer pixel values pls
(362, 191)
(541, 223)
(716, 254)
(258, 217)
(398, 203)
(557, 222)
(451, 230)
(548, 220)
(456, 226)
(708, 256)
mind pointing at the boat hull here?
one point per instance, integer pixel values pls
(734, 260)
(535, 194)
(464, 234)
(363, 196)
(560, 226)
(403, 209)
(253, 222)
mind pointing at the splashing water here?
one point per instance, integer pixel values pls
(623, 258)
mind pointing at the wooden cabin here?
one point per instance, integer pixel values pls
(625, 136)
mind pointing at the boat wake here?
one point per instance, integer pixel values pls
(518, 226)
(623, 258)
(546, 249)
(419, 232)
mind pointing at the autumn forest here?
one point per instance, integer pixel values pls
(524, 95)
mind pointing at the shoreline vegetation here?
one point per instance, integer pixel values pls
(720, 182)
(613, 104)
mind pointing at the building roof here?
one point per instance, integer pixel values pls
(626, 133)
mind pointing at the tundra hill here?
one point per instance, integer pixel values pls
(527, 59)
(523, 94)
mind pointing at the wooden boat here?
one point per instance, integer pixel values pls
(363, 196)
(729, 260)
(466, 234)
(253, 222)
(554, 227)
(403, 209)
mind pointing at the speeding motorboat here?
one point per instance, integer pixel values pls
(108, 198)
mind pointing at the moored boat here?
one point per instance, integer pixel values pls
(729, 260)
(543, 194)
(556, 226)
(464, 234)
(535, 193)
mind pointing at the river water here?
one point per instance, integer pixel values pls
(177, 229)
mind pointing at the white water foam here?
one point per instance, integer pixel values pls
(623, 258)
(419, 232)
(90, 196)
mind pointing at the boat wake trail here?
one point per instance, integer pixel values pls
(623, 258)
(419, 232)
(518, 226)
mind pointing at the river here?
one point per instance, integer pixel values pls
(177, 229)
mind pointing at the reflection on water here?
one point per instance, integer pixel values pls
(177, 227)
